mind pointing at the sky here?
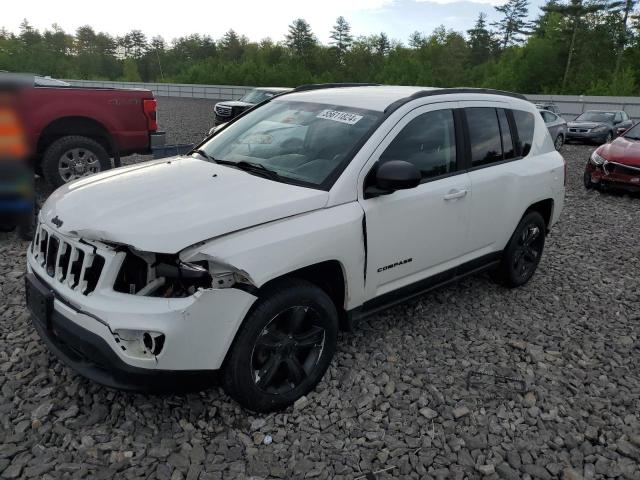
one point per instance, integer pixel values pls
(256, 19)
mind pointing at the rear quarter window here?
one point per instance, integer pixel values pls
(525, 124)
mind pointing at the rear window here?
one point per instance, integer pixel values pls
(484, 136)
(524, 123)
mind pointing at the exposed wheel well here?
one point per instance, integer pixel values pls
(329, 276)
(544, 208)
(87, 127)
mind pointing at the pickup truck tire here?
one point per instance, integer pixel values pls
(524, 250)
(72, 157)
(283, 348)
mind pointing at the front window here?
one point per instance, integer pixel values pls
(596, 117)
(303, 143)
(256, 96)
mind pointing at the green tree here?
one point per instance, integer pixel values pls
(574, 13)
(130, 71)
(479, 41)
(622, 9)
(513, 24)
(300, 38)
(341, 38)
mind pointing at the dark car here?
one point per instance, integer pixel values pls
(229, 109)
(616, 164)
(598, 125)
(557, 127)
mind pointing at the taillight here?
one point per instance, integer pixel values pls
(149, 107)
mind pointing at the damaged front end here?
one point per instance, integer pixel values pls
(168, 276)
(154, 310)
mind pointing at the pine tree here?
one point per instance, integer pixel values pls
(300, 38)
(574, 13)
(623, 9)
(514, 22)
(340, 36)
(417, 39)
(381, 43)
(479, 41)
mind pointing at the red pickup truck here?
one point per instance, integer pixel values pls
(75, 131)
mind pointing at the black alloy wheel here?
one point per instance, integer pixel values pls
(283, 347)
(523, 252)
(287, 350)
(528, 250)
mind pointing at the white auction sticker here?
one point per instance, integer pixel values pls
(342, 117)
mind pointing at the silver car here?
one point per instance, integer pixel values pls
(557, 127)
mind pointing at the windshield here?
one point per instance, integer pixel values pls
(302, 142)
(606, 117)
(633, 133)
(256, 96)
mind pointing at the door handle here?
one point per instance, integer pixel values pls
(453, 194)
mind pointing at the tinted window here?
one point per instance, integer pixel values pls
(625, 117)
(548, 116)
(428, 141)
(618, 117)
(525, 124)
(484, 136)
(505, 131)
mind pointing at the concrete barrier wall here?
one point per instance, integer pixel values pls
(184, 90)
(570, 105)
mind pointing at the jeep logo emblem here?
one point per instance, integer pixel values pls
(56, 221)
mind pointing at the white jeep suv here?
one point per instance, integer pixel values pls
(301, 216)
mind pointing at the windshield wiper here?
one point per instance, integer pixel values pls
(257, 168)
(201, 151)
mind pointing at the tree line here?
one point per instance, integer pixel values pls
(573, 47)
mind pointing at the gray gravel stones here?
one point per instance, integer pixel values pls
(392, 398)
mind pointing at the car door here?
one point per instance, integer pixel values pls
(491, 164)
(416, 233)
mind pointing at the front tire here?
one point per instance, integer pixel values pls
(586, 178)
(283, 348)
(524, 250)
(73, 157)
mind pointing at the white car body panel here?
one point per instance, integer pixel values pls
(167, 205)
(269, 251)
(264, 229)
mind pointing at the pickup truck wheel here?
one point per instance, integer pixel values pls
(523, 252)
(73, 157)
(283, 348)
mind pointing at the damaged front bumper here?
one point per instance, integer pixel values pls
(101, 334)
(614, 175)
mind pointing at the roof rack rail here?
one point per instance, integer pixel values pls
(447, 91)
(320, 86)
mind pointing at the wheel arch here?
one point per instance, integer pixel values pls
(544, 208)
(76, 125)
(328, 275)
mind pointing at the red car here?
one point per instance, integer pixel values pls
(616, 164)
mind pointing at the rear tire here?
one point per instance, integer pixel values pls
(524, 250)
(72, 157)
(283, 348)
(559, 141)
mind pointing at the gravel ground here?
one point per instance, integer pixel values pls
(401, 396)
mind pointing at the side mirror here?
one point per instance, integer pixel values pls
(394, 175)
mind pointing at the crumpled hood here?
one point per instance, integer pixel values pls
(621, 150)
(166, 205)
(587, 124)
(234, 103)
